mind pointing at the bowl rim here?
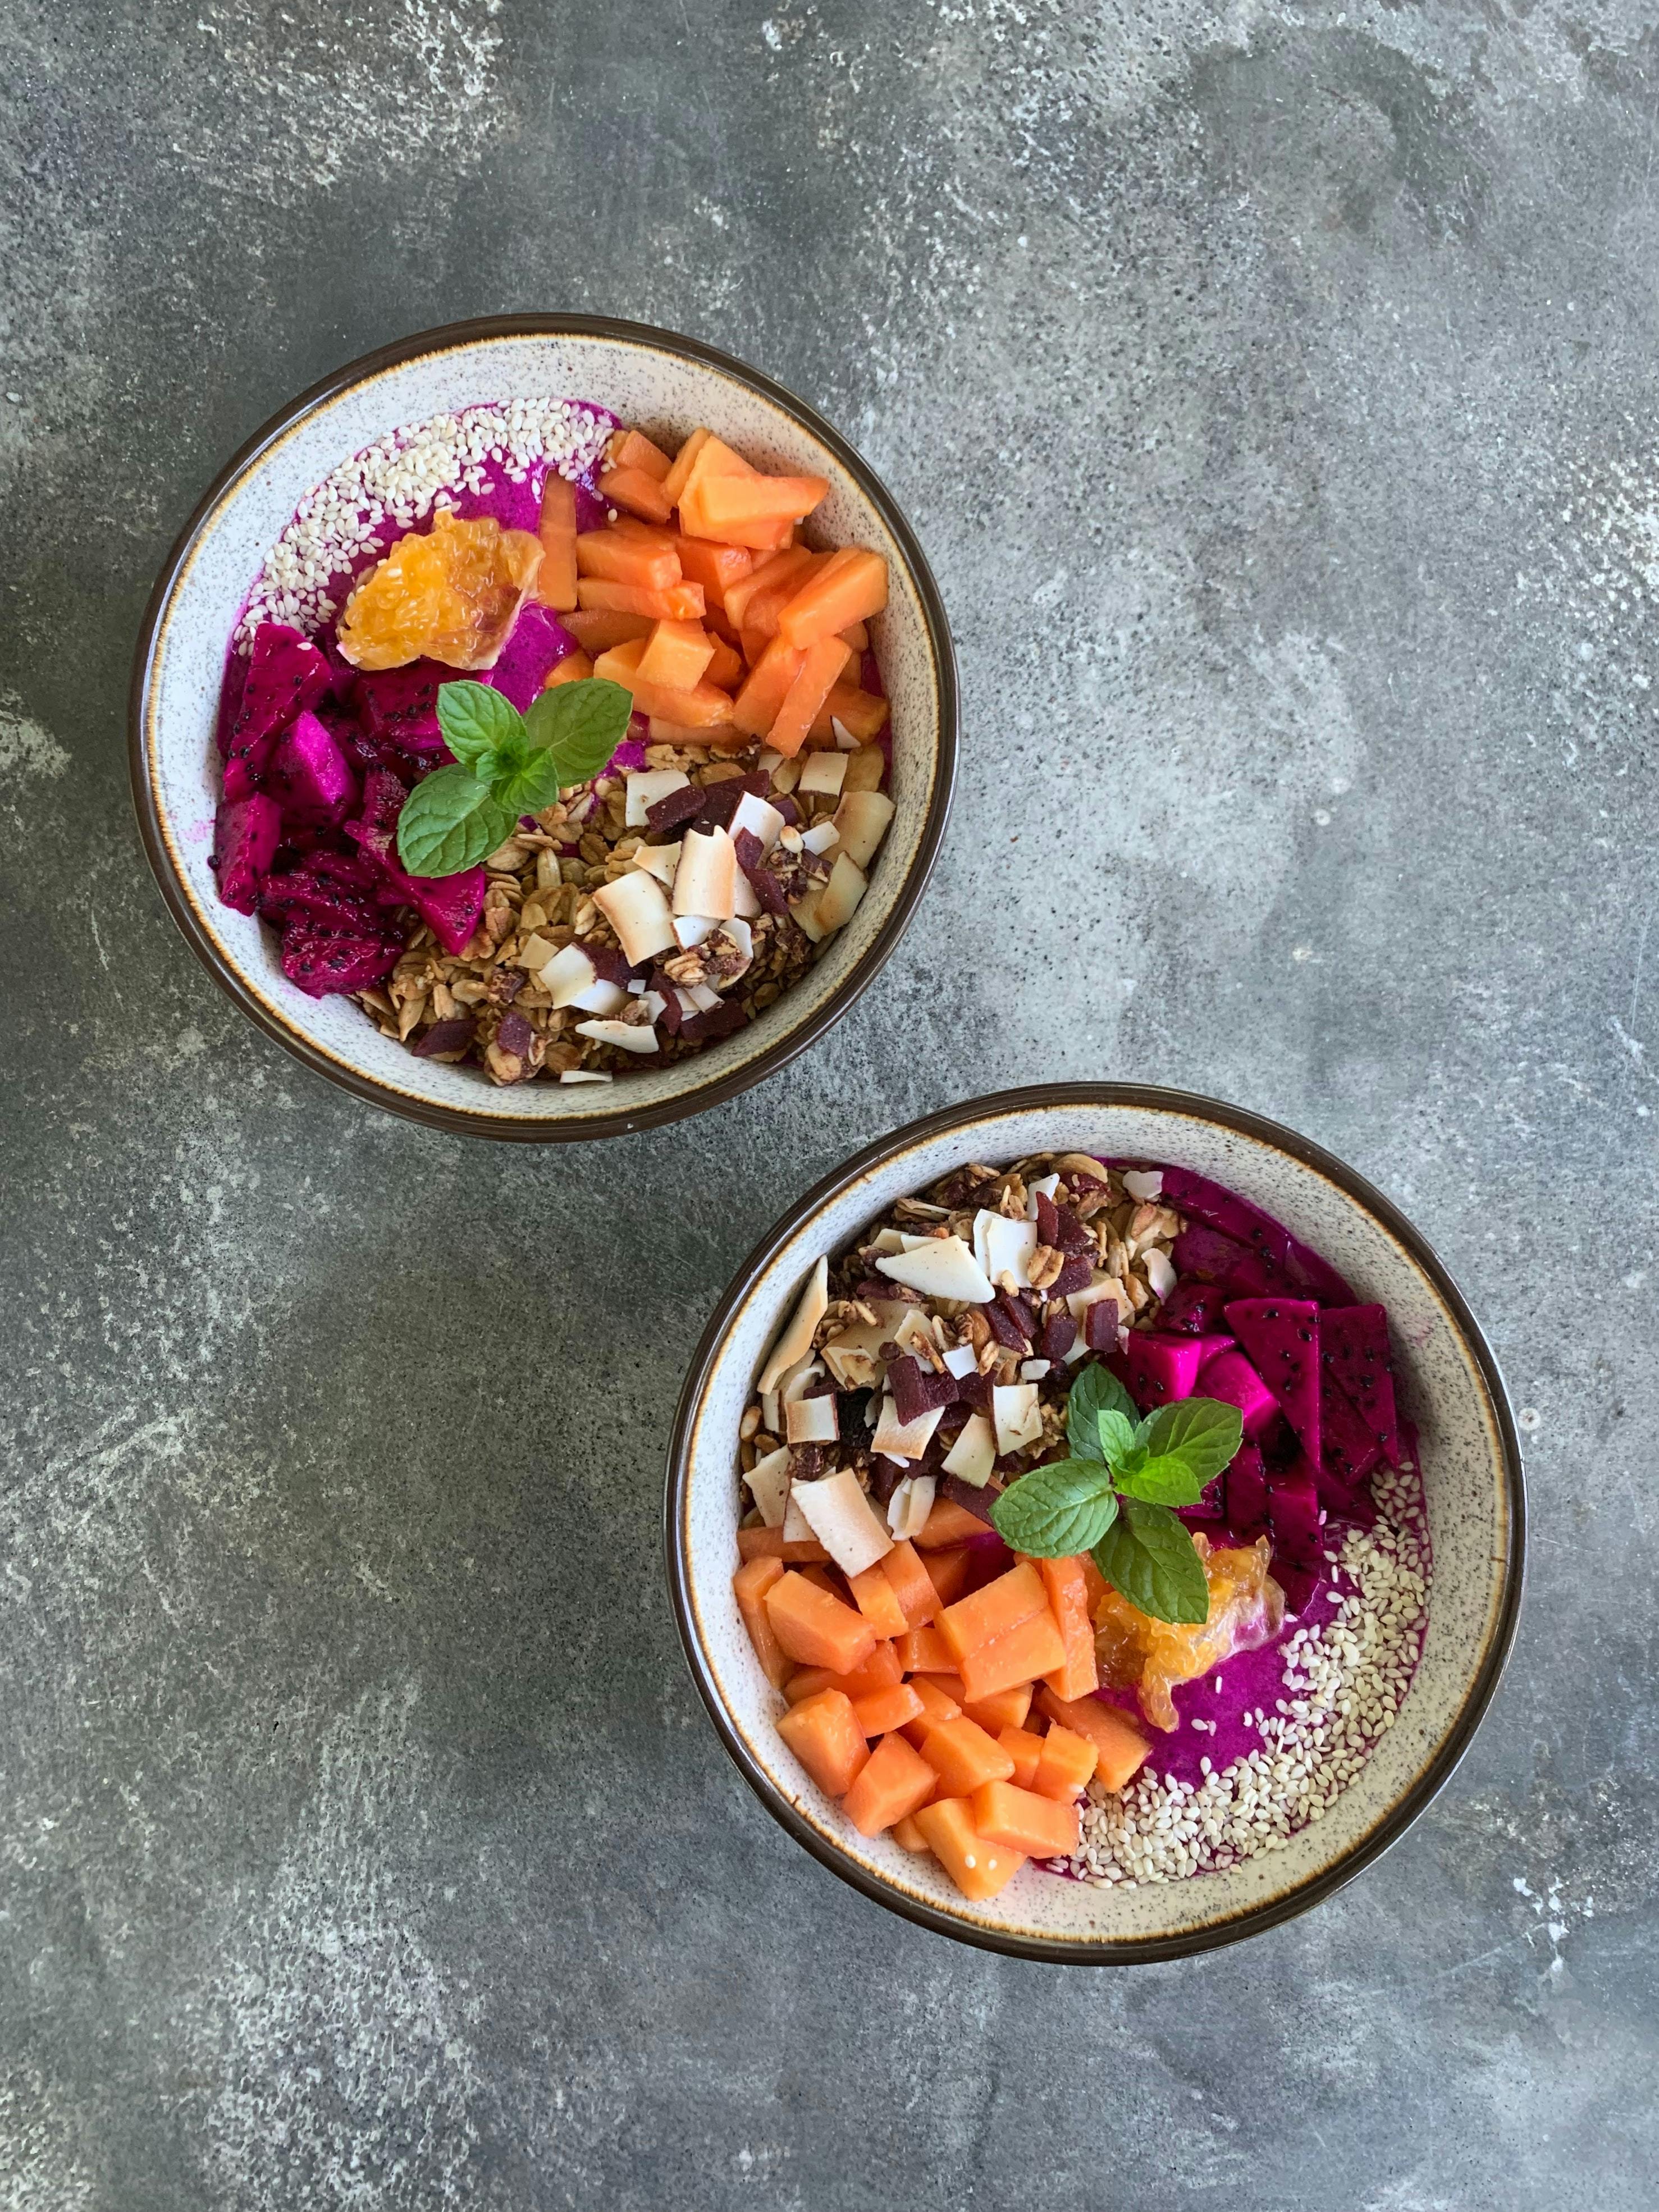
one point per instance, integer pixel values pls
(1393, 1823)
(621, 1119)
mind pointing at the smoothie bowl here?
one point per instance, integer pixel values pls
(1095, 1524)
(545, 727)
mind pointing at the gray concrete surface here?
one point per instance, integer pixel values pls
(1273, 389)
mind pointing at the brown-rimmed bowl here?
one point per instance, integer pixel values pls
(662, 383)
(1450, 1387)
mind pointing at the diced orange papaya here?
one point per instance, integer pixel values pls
(824, 1574)
(676, 654)
(726, 670)
(816, 1629)
(1026, 1751)
(908, 1836)
(820, 664)
(667, 603)
(993, 1609)
(717, 737)
(703, 707)
(880, 1671)
(733, 502)
(674, 483)
(1003, 1709)
(948, 1524)
(622, 558)
(1095, 1584)
(755, 707)
(936, 1708)
(1077, 1676)
(1039, 1826)
(765, 575)
(923, 1650)
(895, 1783)
(1067, 1762)
(825, 1737)
(912, 1585)
(850, 587)
(716, 568)
(714, 458)
(575, 668)
(881, 1712)
(1122, 1746)
(947, 1685)
(1020, 1654)
(761, 607)
(749, 1586)
(877, 1601)
(556, 580)
(862, 714)
(635, 492)
(857, 635)
(661, 537)
(962, 1755)
(597, 632)
(948, 1573)
(980, 1869)
(632, 449)
(769, 1544)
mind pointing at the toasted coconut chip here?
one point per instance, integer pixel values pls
(973, 1456)
(910, 1504)
(631, 1037)
(636, 909)
(841, 1517)
(768, 1486)
(797, 1338)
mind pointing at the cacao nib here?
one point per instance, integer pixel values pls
(751, 859)
(970, 1497)
(453, 1035)
(676, 806)
(720, 801)
(1058, 1337)
(1075, 1275)
(1100, 1325)
(917, 1389)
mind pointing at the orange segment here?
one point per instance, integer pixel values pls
(451, 594)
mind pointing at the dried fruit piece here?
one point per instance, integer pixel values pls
(451, 593)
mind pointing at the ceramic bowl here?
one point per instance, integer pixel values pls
(664, 384)
(1448, 1385)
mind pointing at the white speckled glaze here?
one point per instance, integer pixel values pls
(645, 379)
(1449, 1387)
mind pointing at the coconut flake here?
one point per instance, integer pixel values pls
(635, 909)
(796, 1337)
(768, 1486)
(909, 1505)
(810, 1420)
(1159, 1271)
(972, 1457)
(1005, 1247)
(706, 879)
(1017, 1416)
(842, 1518)
(645, 787)
(631, 1037)
(861, 821)
(760, 817)
(823, 774)
(898, 1439)
(946, 1268)
(1144, 1183)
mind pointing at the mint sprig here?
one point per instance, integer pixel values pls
(1113, 1497)
(506, 764)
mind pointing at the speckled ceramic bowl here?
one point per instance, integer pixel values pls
(1450, 1387)
(663, 383)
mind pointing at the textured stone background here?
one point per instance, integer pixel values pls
(1272, 389)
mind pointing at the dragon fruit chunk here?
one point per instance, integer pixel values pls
(535, 645)
(309, 778)
(399, 706)
(1348, 1451)
(450, 906)
(1293, 1517)
(1298, 1584)
(1193, 1309)
(1281, 1336)
(245, 835)
(1247, 1494)
(1201, 1200)
(1230, 1377)
(1212, 1257)
(1157, 1369)
(286, 674)
(322, 963)
(375, 828)
(1354, 1347)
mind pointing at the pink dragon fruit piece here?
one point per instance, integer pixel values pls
(285, 674)
(1281, 1336)
(309, 777)
(1158, 1370)
(1348, 1451)
(1353, 1342)
(537, 642)
(246, 835)
(1230, 1377)
(1307, 1274)
(322, 963)
(1246, 1492)
(399, 706)
(1293, 1517)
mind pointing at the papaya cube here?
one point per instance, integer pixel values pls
(857, 635)
(661, 602)
(1078, 1675)
(733, 502)
(862, 714)
(1123, 1749)
(1067, 1762)
(877, 1601)
(724, 666)
(825, 1735)
(575, 668)
(948, 1573)
(881, 1712)
(762, 606)
(849, 588)
(948, 1686)
(598, 629)
(749, 1586)
(632, 449)
(777, 569)
(963, 1756)
(993, 1610)
(912, 1585)
(624, 559)
(937, 1707)
(676, 655)
(1026, 1751)
(674, 483)
(1034, 1648)
(716, 568)
(635, 492)
(880, 1671)
(816, 1629)
(772, 1544)
(1002, 1709)
(894, 1782)
(978, 1869)
(948, 1524)
(702, 707)
(1042, 1829)
(924, 1650)
(908, 1836)
(820, 667)
(758, 704)
(556, 580)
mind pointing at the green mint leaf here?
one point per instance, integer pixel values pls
(1056, 1510)
(476, 722)
(1096, 1390)
(1148, 1556)
(1118, 1434)
(580, 725)
(1202, 1432)
(1166, 1481)
(450, 821)
(529, 785)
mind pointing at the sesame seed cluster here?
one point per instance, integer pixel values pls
(351, 516)
(1345, 1679)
